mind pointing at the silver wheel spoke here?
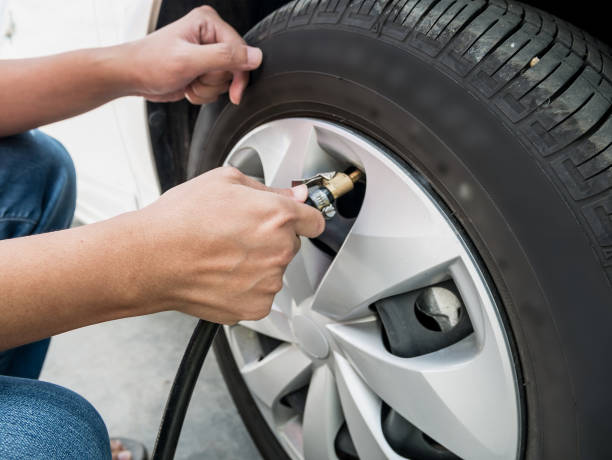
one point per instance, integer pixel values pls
(322, 416)
(362, 412)
(286, 368)
(301, 277)
(449, 394)
(282, 149)
(275, 325)
(398, 243)
(305, 271)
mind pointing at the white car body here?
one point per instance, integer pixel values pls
(110, 145)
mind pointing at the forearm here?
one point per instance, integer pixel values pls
(59, 281)
(215, 247)
(198, 56)
(37, 91)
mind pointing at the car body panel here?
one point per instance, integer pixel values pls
(110, 145)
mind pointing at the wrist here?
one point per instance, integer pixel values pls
(137, 276)
(115, 65)
(150, 289)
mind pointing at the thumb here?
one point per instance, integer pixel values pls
(298, 193)
(233, 56)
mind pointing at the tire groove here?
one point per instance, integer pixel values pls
(500, 41)
(450, 21)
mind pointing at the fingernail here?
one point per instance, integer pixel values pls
(254, 56)
(300, 192)
(125, 455)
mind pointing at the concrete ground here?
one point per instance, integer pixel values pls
(125, 369)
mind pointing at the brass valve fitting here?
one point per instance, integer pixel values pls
(325, 188)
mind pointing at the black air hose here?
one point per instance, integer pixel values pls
(182, 388)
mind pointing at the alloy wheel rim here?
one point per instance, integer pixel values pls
(326, 337)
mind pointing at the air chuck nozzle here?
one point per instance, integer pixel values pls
(342, 183)
(325, 188)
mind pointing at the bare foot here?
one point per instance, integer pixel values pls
(118, 452)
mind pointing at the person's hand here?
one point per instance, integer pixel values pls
(218, 245)
(199, 57)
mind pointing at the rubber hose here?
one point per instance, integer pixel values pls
(182, 389)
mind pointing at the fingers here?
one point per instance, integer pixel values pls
(226, 33)
(297, 245)
(224, 49)
(235, 176)
(309, 221)
(166, 97)
(215, 28)
(198, 94)
(233, 56)
(207, 88)
(214, 62)
(239, 84)
(219, 77)
(298, 193)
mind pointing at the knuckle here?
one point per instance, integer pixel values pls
(276, 285)
(260, 314)
(286, 254)
(226, 53)
(284, 257)
(231, 173)
(195, 88)
(320, 225)
(258, 310)
(180, 64)
(205, 93)
(285, 212)
(192, 97)
(206, 9)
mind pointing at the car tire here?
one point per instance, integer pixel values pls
(505, 111)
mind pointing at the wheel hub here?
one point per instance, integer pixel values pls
(385, 340)
(309, 337)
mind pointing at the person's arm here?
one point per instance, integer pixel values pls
(198, 57)
(215, 247)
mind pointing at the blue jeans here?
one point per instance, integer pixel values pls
(39, 419)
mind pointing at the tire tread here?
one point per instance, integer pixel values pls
(560, 105)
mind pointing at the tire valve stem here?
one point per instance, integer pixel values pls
(325, 188)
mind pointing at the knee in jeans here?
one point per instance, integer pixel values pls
(56, 423)
(55, 159)
(84, 432)
(34, 150)
(42, 181)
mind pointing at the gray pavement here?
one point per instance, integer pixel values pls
(125, 369)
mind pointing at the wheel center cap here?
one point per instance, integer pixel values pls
(310, 337)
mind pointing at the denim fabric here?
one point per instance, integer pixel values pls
(37, 195)
(40, 420)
